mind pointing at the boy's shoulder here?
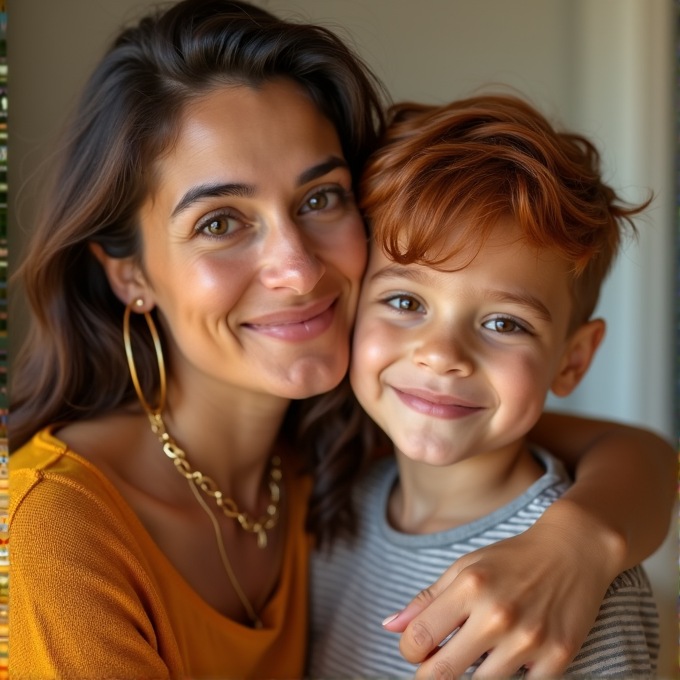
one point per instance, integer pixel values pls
(380, 476)
(631, 580)
(370, 498)
(625, 638)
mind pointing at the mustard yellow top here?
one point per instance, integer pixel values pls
(92, 596)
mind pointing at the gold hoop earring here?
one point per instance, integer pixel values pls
(131, 362)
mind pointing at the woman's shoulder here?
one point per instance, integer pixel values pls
(76, 550)
(97, 440)
(62, 462)
(106, 441)
(61, 505)
(45, 457)
(38, 453)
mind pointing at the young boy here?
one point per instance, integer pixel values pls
(492, 234)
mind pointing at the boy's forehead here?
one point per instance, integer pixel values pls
(504, 264)
(454, 253)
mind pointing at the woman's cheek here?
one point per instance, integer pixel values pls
(220, 284)
(354, 256)
(371, 353)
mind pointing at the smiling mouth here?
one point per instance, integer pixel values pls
(295, 325)
(436, 405)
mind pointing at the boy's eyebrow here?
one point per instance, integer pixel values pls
(398, 270)
(523, 299)
(420, 276)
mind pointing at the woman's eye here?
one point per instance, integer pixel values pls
(405, 303)
(220, 225)
(503, 325)
(322, 200)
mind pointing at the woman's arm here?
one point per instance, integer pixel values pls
(625, 481)
(532, 599)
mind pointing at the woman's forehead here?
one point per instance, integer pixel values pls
(254, 115)
(256, 137)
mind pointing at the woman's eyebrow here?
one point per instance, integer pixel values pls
(320, 170)
(247, 190)
(211, 191)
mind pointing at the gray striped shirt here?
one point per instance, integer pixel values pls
(354, 587)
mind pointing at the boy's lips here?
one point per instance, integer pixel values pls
(436, 404)
(296, 323)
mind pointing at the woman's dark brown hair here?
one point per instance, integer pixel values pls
(73, 365)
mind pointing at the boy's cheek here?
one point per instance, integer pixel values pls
(370, 340)
(523, 385)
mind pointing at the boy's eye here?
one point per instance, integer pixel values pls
(503, 325)
(404, 303)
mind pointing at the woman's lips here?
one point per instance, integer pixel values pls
(437, 405)
(295, 325)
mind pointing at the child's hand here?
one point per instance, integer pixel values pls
(527, 601)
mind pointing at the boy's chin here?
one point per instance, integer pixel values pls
(429, 451)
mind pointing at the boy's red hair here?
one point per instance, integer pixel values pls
(456, 169)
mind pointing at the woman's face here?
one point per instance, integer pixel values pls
(253, 245)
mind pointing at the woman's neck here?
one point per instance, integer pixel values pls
(227, 433)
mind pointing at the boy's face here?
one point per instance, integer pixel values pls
(456, 364)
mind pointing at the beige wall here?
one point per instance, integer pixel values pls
(604, 67)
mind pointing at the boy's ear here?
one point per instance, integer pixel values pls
(125, 278)
(578, 355)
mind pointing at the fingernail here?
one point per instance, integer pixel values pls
(389, 619)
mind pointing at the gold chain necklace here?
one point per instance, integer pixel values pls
(197, 479)
(207, 485)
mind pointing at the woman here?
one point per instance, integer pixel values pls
(206, 191)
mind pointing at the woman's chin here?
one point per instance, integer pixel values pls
(312, 380)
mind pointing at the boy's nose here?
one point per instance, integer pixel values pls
(444, 355)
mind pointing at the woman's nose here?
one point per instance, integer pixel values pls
(444, 353)
(290, 261)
